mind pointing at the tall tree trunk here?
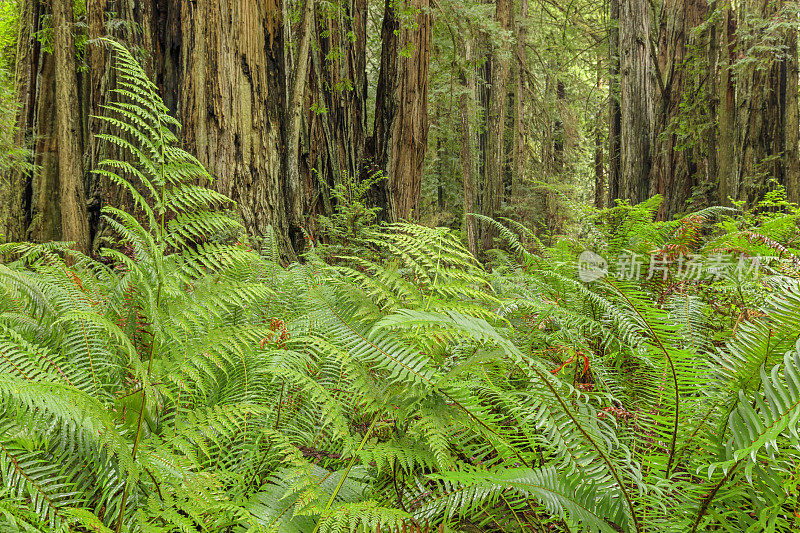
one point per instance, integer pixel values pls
(337, 136)
(297, 87)
(232, 104)
(323, 154)
(726, 108)
(74, 221)
(674, 170)
(30, 205)
(553, 209)
(519, 146)
(553, 155)
(614, 109)
(483, 91)
(636, 100)
(493, 173)
(711, 93)
(45, 191)
(792, 129)
(401, 114)
(439, 128)
(385, 104)
(599, 169)
(467, 98)
(761, 101)
(98, 72)
(440, 173)
(15, 197)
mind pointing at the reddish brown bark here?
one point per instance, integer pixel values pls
(72, 196)
(674, 169)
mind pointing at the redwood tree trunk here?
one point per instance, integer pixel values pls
(401, 113)
(614, 110)
(495, 127)
(599, 166)
(553, 154)
(791, 156)
(335, 142)
(726, 108)
(467, 98)
(410, 127)
(74, 222)
(674, 169)
(519, 137)
(385, 104)
(15, 198)
(232, 98)
(636, 100)
(297, 92)
(762, 104)
(30, 207)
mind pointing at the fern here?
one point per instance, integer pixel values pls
(187, 382)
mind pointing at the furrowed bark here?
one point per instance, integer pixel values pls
(495, 125)
(674, 169)
(614, 110)
(385, 104)
(792, 129)
(636, 100)
(72, 197)
(401, 119)
(15, 198)
(726, 109)
(233, 100)
(294, 187)
(599, 168)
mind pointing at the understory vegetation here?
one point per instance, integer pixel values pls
(188, 380)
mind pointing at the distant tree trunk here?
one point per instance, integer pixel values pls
(614, 110)
(297, 87)
(441, 149)
(385, 103)
(726, 108)
(493, 174)
(232, 104)
(761, 102)
(792, 129)
(336, 108)
(674, 170)
(323, 163)
(553, 153)
(599, 176)
(440, 173)
(711, 93)
(401, 114)
(519, 146)
(466, 99)
(356, 109)
(483, 88)
(599, 170)
(16, 197)
(636, 100)
(74, 222)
